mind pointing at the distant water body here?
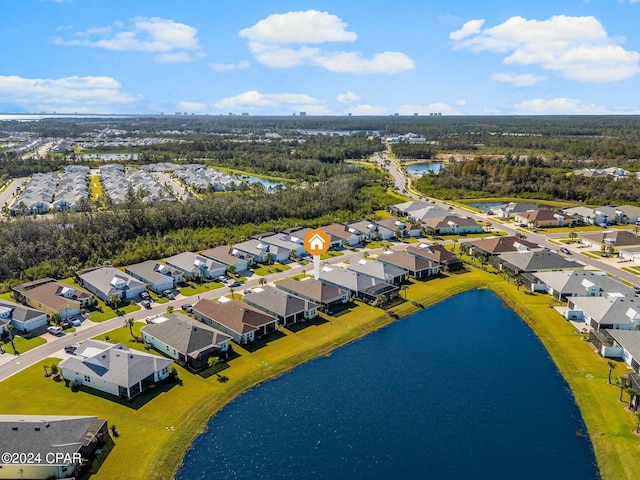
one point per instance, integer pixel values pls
(463, 389)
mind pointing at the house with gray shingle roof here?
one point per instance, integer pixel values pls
(583, 283)
(228, 256)
(537, 261)
(186, 339)
(362, 286)
(106, 281)
(287, 308)
(382, 271)
(627, 346)
(618, 313)
(157, 275)
(114, 369)
(194, 266)
(61, 443)
(24, 319)
(324, 294)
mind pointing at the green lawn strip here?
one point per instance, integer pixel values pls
(378, 244)
(188, 407)
(263, 270)
(548, 203)
(95, 187)
(7, 296)
(631, 270)
(591, 255)
(195, 289)
(22, 344)
(251, 174)
(330, 254)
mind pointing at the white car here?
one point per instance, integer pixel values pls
(76, 322)
(53, 330)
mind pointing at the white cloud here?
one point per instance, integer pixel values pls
(288, 40)
(348, 97)
(366, 109)
(254, 100)
(559, 106)
(68, 94)
(173, 42)
(469, 28)
(192, 106)
(229, 67)
(461, 102)
(437, 107)
(524, 80)
(579, 48)
(305, 27)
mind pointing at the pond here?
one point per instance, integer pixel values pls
(424, 168)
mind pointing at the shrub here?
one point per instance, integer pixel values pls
(74, 385)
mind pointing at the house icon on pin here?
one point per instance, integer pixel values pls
(316, 242)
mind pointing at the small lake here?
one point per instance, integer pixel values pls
(424, 168)
(269, 185)
(463, 389)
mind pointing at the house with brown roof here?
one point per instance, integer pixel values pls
(545, 218)
(453, 225)
(240, 321)
(617, 238)
(444, 258)
(488, 247)
(51, 296)
(339, 233)
(324, 294)
(417, 266)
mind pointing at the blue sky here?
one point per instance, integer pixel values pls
(466, 57)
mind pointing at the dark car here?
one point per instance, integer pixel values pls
(565, 250)
(145, 296)
(145, 303)
(187, 307)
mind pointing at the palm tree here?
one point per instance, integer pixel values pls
(637, 415)
(262, 282)
(10, 330)
(573, 236)
(231, 270)
(631, 392)
(231, 291)
(380, 299)
(128, 322)
(518, 282)
(211, 361)
(622, 383)
(404, 288)
(114, 300)
(611, 367)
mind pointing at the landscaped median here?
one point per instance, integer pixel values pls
(157, 428)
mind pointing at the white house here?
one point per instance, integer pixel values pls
(24, 319)
(615, 313)
(106, 282)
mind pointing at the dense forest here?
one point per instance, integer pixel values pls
(529, 177)
(135, 231)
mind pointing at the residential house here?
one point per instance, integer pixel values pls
(445, 259)
(587, 215)
(616, 238)
(228, 256)
(391, 228)
(489, 247)
(453, 225)
(545, 218)
(339, 233)
(616, 313)
(196, 267)
(53, 297)
(282, 245)
(242, 322)
(24, 319)
(365, 229)
(382, 271)
(186, 339)
(524, 264)
(625, 344)
(261, 251)
(287, 308)
(582, 283)
(417, 266)
(324, 294)
(106, 282)
(360, 285)
(627, 214)
(61, 443)
(114, 368)
(158, 276)
(508, 210)
(631, 254)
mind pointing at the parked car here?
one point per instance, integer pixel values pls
(232, 283)
(65, 323)
(145, 303)
(145, 296)
(76, 322)
(168, 294)
(565, 250)
(223, 278)
(248, 290)
(186, 307)
(71, 348)
(54, 330)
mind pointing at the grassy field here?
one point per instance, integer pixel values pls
(163, 422)
(95, 187)
(330, 254)
(195, 289)
(266, 177)
(263, 270)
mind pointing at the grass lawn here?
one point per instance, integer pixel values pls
(195, 289)
(95, 187)
(633, 270)
(22, 344)
(330, 254)
(378, 244)
(382, 214)
(163, 422)
(263, 269)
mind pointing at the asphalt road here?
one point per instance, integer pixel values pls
(7, 195)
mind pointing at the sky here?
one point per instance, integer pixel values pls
(265, 57)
